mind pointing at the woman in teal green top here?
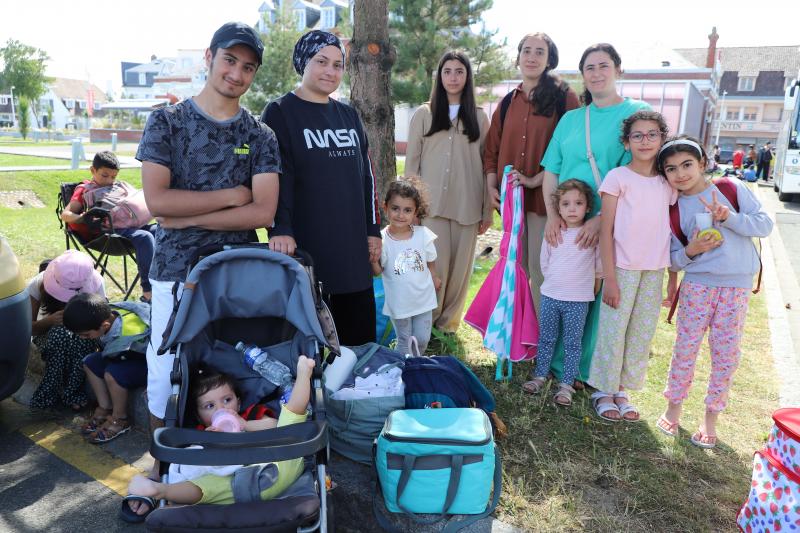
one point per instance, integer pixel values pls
(566, 158)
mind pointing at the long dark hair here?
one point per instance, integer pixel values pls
(549, 95)
(48, 303)
(440, 110)
(586, 97)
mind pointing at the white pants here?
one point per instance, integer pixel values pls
(159, 366)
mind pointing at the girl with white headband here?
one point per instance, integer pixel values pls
(719, 263)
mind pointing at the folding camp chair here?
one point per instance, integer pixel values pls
(107, 244)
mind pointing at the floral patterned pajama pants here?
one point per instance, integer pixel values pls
(624, 334)
(721, 311)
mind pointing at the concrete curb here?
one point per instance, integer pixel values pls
(787, 365)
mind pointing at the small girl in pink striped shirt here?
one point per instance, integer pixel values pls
(571, 281)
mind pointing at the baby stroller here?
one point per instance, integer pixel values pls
(247, 293)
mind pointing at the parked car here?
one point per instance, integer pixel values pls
(725, 156)
(15, 316)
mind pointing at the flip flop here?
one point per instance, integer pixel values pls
(703, 440)
(127, 514)
(666, 427)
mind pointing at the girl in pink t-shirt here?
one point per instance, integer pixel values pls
(634, 248)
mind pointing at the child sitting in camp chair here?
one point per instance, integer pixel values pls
(104, 169)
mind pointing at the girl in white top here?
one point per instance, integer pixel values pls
(407, 265)
(571, 281)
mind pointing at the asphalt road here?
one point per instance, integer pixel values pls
(39, 491)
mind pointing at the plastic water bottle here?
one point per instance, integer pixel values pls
(273, 371)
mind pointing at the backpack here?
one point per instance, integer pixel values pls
(505, 103)
(125, 203)
(443, 381)
(728, 190)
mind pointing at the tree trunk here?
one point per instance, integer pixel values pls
(371, 60)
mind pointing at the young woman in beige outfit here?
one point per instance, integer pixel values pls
(445, 147)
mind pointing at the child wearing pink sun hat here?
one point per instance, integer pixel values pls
(69, 274)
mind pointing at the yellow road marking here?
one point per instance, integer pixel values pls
(89, 459)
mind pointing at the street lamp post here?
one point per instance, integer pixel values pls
(721, 115)
(13, 112)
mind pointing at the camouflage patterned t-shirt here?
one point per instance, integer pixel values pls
(203, 154)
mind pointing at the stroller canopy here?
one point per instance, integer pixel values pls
(244, 283)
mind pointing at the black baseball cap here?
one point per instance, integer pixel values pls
(233, 33)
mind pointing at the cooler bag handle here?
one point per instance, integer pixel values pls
(456, 462)
(452, 489)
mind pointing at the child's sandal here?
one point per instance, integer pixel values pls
(626, 408)
(112, 429)
(563, 395)
(96, 422)
(534, 386)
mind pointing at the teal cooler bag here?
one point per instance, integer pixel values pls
(438, 461)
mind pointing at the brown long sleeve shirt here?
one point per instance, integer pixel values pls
(521, 142)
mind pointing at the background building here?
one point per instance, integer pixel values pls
(751, 91)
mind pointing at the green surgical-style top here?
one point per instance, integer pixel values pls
(566, 153)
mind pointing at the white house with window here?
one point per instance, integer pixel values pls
(751, 89)
(308, 14)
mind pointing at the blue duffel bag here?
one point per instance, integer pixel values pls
(438, 461)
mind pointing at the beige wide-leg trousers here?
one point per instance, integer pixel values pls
(455, 251)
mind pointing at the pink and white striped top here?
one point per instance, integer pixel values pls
(569, 272)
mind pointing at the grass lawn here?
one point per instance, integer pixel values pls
(13, 160)
(567, 470)
(34, 233)
(564, 469)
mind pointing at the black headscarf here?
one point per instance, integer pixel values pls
(310, 44)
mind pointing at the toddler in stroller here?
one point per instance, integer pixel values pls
(210, 487)
(268, 299)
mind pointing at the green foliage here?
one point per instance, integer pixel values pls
(490, 63)
(24, 69)
(422, 30)
(276, 76)
(23, 119)
(137, 121)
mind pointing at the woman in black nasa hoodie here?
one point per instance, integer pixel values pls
(328, 202)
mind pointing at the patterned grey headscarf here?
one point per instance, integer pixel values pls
(309, 44)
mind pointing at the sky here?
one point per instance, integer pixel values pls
(87, 39)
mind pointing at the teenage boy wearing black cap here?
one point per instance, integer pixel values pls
(210, 176)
